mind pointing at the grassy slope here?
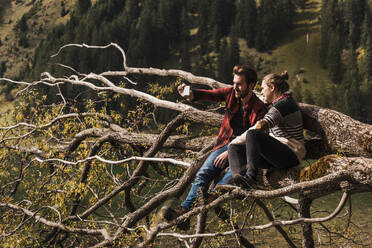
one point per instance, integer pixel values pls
(294, 52)
(48, 16)
(16, 57)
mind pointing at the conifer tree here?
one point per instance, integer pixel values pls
(141, 46)
(246, 21)
(83, 6)
(368, 59)
(224, 64)
(168, 19)
(185, 39)
(240, 18)
(334, 59)
(132, 9)
(352, 87)
(328, 25)
(185, 57)
(355, 14)
(288, 12)
(216, 21)
(2, 68)
(366, 26)
(234, 47)
(267, 24)
(203, 32)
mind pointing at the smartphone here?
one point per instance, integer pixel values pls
(186, 91)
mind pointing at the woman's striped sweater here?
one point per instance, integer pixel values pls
(285, 124)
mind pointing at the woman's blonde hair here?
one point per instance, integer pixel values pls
(278, 81)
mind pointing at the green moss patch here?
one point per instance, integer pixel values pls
(317, 169)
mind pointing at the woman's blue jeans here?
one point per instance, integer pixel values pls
(204, 177)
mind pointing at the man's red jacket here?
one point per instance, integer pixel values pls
(253, 111)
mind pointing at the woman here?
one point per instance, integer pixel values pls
(276, 141)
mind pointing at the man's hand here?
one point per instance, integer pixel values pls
(180, 89)
(221, 160)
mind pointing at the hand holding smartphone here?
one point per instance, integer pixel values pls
(186, 91)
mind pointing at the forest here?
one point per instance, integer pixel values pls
(100, 142)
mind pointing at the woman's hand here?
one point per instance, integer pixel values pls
(221, 160)
(262, 125)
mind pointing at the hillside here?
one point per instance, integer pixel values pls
(210, 40)
(40, 16)
(292, 52)
(300, 50)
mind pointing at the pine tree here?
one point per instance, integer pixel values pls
(185, 27)
(234, 47)
(285, 11)
(203, 32)
(2, 68)
(355, 14)
(83, 6)
(216, 21)
(224, 65)
(185, 57)
(246, 21)
(267, 30)
(168, 19)
(366, 26)
(334, 59)
(240, 17)
(185, 39)
(131, 9)
(328, 25)
(352, 87)
(368, 59)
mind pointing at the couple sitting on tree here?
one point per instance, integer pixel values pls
(250, 137)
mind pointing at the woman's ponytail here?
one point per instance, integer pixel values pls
(279, 81)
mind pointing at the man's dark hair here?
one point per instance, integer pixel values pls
(249, 73)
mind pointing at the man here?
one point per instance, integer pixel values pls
(243, 109)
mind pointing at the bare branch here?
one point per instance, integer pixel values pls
(96, 157)
(60, 226)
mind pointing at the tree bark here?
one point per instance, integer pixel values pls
(307, 231)
(340, 133)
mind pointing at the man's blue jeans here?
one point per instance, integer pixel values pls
(204, 177)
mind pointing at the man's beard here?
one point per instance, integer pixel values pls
(243, 93)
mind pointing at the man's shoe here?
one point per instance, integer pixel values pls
(244, 182)
(171, 214)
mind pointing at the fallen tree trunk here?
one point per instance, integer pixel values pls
(357, 171)
(340, 133)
